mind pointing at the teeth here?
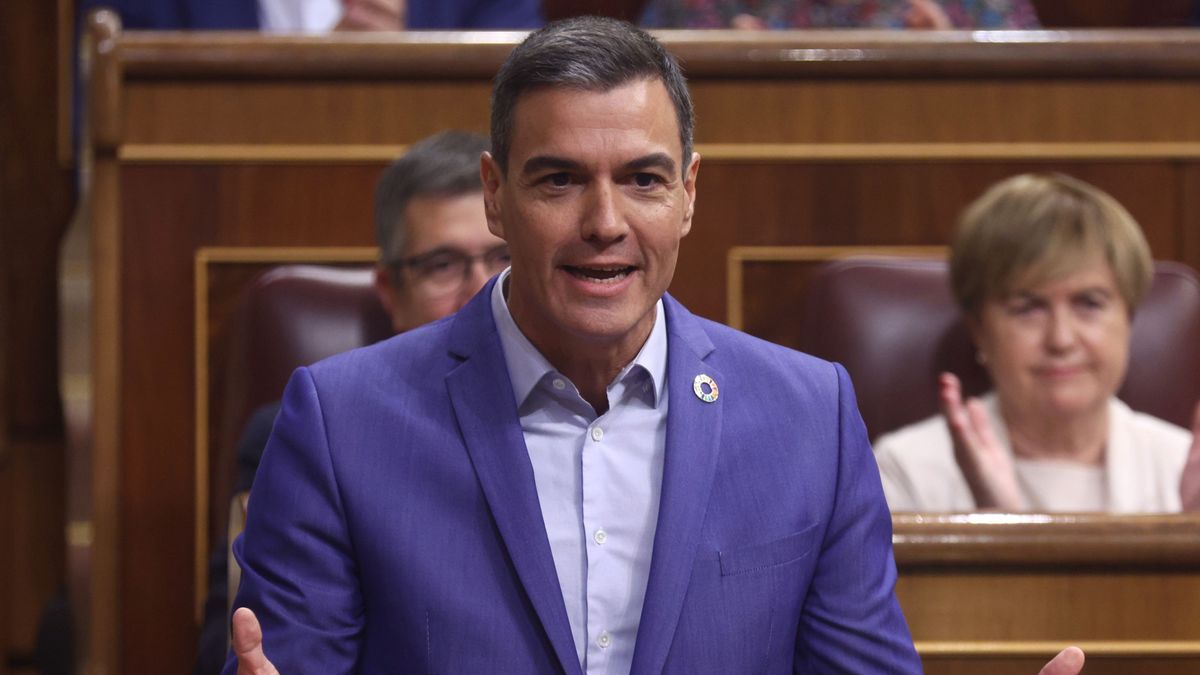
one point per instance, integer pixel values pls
(603, 275)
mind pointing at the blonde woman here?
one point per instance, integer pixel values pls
(1048, 271)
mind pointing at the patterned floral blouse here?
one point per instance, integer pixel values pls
(782, 14)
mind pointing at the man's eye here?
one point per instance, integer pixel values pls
(645, 180)
(436, 265)
(558, 179)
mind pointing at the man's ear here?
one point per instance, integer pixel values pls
(493, 179)
(689, 189)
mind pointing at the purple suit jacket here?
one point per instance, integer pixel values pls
(394, 523)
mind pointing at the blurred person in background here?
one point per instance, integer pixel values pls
(788, 14)
(1048, 271)
(322, 16)
(435, 253)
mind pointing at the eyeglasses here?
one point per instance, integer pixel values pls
(445, 269)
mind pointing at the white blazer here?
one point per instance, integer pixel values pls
(1144, 459)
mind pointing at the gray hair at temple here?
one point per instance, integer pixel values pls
(441, 166)
(590, 54)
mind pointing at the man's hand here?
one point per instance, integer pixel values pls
(373, 15)
(247, 645)
(926, 14)
(984, 462)
(1189, 485)
(1068, 662)
(747, 22)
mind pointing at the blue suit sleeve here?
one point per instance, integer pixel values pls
(474, 14)
(851, 622)
(298, 565)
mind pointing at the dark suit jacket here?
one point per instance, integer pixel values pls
(243, 14)
(394, 524)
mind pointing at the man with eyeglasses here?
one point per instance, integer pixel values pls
(573, 474)
(435, 250)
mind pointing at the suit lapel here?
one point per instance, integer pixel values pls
(482, 398)
(693, 433)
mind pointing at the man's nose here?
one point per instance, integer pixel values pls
(603, 220)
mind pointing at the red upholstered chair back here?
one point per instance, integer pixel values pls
(894, 324)
(289, 316)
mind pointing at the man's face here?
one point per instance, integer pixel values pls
(449, 255)
(593, 204)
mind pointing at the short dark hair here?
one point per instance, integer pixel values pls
(443, 165)
(592, 54)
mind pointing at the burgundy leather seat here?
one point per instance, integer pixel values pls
(289, 316)
(894, 324)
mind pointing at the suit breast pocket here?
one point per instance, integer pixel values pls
(767, 555)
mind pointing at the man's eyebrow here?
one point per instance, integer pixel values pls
(539, 163)
(658, 160)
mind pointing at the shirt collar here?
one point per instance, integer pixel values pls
(527, 367)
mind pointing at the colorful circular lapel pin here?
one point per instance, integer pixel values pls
(699, 385)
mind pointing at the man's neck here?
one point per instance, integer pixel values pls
(592, 367)
(590, 364)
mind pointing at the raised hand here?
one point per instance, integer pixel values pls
(747, 22)
(247, 645)
(1189, 485)
(1068, 662)
(926, 14)
(373, 15)
(984, 462)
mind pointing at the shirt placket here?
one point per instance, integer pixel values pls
(598, 509)
(594, 498)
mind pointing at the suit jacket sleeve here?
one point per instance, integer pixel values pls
(298, 569)
(851, 620)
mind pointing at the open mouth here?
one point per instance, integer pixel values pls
(608, 274)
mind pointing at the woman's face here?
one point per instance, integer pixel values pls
(1059, 348)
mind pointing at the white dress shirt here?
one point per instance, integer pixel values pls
(299, 16)
(598, 483)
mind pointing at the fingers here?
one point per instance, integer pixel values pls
(926, 14)
(373, 15)
(747, 22)
(981, 424)
(1068, 662)
(247, 644)
(954, 410)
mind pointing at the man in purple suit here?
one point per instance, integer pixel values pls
(573, 474)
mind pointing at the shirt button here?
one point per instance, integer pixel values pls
(604, 640)
(597, 433)
(601, 536)
(559, 384)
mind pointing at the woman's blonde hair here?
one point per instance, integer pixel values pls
(1033, 228)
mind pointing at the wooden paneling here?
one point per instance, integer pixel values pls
(873, 204)
(1189, 219)
(977, 590)
(816, 139)
(35, 204)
